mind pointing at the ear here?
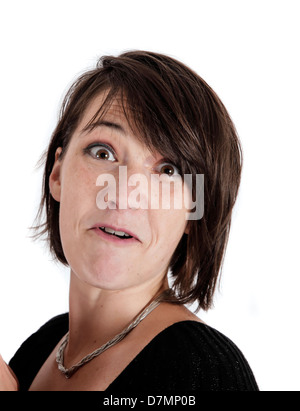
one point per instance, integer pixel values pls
(55, 176)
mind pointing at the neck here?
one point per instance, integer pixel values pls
(98, 315)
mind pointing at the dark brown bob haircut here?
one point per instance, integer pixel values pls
(176, 113)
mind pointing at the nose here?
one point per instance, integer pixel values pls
(132, 189)
(126, 189)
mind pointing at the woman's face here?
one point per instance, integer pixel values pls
(95, 254)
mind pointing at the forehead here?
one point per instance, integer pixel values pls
(117, 116)
(98, 107)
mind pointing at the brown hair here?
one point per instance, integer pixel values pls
(180, 116)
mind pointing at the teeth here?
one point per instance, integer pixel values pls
(109, 230)
(121, 233)
(118, 233)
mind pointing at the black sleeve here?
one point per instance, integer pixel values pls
(32, 354)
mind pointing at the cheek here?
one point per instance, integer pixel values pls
(78, 197)
(78, 183)
(169, 226)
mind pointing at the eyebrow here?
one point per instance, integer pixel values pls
(109, 124)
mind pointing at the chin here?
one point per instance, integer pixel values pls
(105, 277)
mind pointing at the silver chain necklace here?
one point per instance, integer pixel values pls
(68, 372)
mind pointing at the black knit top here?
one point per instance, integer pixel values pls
(187, 356)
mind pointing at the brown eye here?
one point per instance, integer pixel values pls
(101, 152)
(168, 169)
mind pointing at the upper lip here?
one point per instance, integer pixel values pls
(115, 228)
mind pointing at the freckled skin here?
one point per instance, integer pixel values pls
(94, 260)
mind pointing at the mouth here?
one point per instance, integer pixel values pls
(114, 233)
(120, 234)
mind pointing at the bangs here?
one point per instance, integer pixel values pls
(154, 122)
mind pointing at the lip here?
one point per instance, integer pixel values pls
(112, 238)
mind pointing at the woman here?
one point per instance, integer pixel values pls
(140, 117)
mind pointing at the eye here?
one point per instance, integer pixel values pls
(168, 169)
(101, 151)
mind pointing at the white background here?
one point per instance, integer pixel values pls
(248, 51)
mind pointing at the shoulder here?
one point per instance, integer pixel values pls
(219, 363)
(191, 355)
(60, 323)
(213, 357)
(48, 333)
(51, 331)
(203, 341)
(35, 350)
